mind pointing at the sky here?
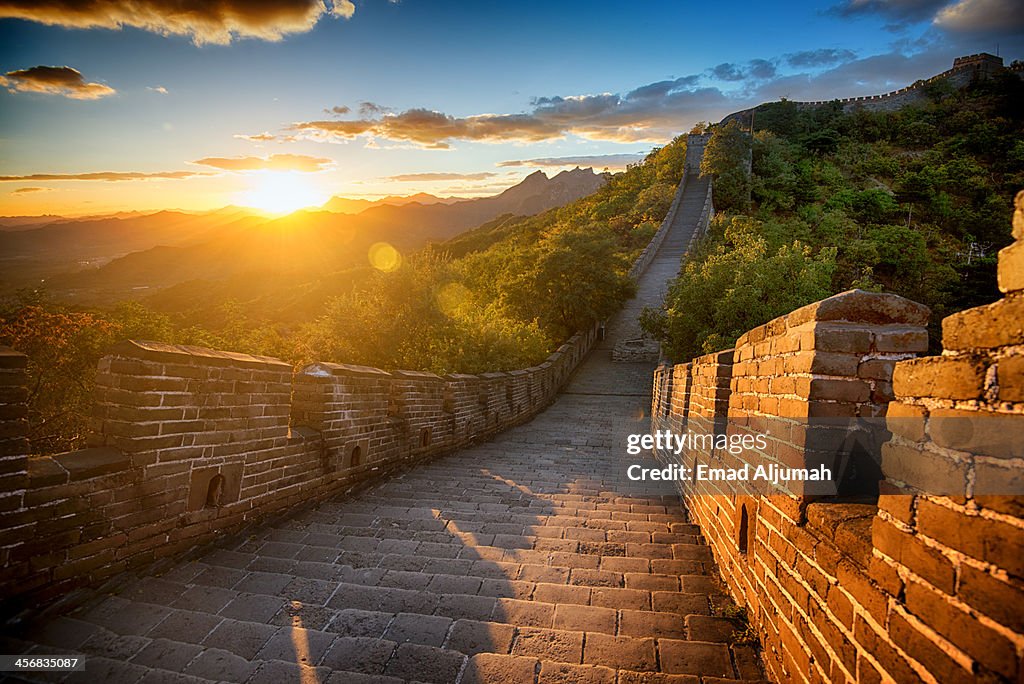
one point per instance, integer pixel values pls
(196, 104)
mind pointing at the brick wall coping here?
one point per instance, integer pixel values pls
(72, 466)
(180, 353)
(10, 358)
(416, 375)
(725, 356)
(858, 306)
(328, 369)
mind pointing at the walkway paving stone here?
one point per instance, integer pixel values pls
(530, 558)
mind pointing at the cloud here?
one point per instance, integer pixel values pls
(257, 137)
(204, 21)
(275, 162)
(21, 191)
(977, 16)
(367, 109)
(819, 58)
(761, 69)
(54, 80)
(640, 116)
(339, 110)
(105, 176)
(899, 11)
(439, 176)
(662, 88)
(595, 160)
(157, 89)
(727, 72)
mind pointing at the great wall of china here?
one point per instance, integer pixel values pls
(964, 71)
(235, 520)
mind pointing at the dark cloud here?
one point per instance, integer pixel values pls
(439, 176)
(22, 191)
(54, 80)
(596, 160)
(370, 109)
(819, 58)
(339, 110)
(761, 69)
(982, 16)
(105, 176)
(663, 88)
(205, 21)
(275, 162)
(727, 72)
(900, 11)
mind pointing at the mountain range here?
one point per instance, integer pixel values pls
(109, 258)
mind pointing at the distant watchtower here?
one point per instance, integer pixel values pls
(983, 63)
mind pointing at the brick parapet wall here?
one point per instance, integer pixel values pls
(189, 444)
(918, 587)
(948, 535)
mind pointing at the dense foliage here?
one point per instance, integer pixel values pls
(499, 297)
(915, 202)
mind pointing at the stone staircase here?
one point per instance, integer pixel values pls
(625, 339)
(502, 563)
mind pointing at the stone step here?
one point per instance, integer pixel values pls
(358, 644)
(316, 604)
(423, 555)
(431, 519)
(362, 638)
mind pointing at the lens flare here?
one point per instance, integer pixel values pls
(451, 298)
(384, 257)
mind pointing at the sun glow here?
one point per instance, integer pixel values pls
(281, 192)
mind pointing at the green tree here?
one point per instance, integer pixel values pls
(725, 159)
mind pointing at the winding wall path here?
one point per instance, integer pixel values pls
(528, 558)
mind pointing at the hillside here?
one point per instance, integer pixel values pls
(913, 201)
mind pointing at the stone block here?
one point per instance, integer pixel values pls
(1011, 268)
(1010, 378)
(942, 377)
(985, 327)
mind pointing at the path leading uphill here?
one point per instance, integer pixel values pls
(525, 559)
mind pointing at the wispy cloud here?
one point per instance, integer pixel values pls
(160, 90)
(105, 176)
(275, 162)
(596, 160)
(819, 58)
(25, 191)
(439, 176)
(54, 80)
(216, 21)
(259, 137)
